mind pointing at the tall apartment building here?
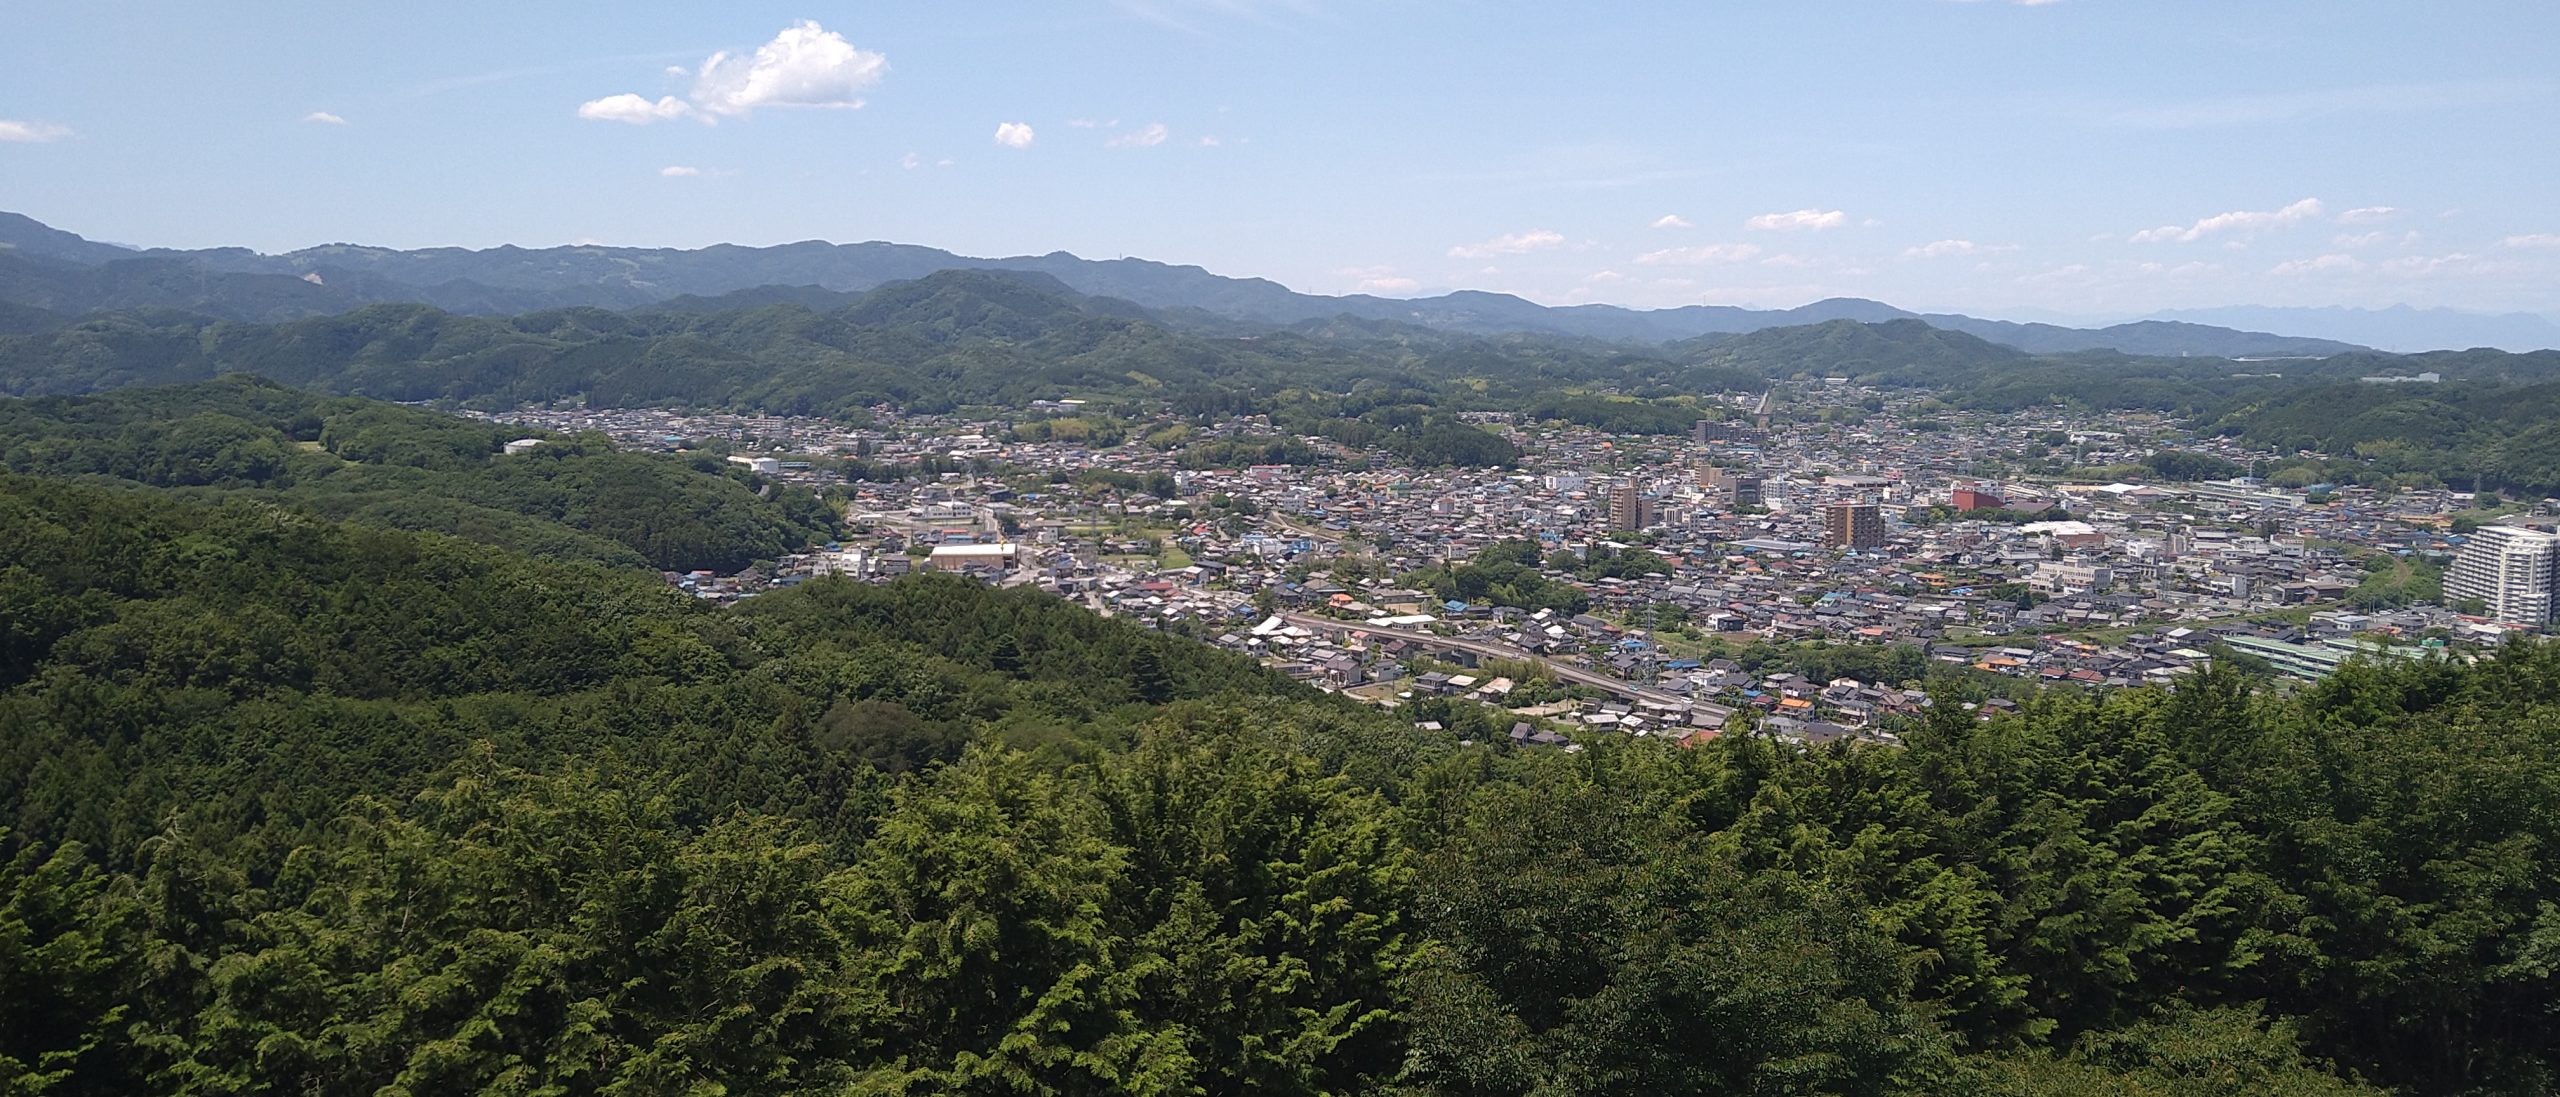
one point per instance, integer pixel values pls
(2512, 570)
(1853, 525)
(1628, 508)
(1712, 430)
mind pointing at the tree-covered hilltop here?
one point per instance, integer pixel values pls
(349, 457)
(2496, 434)
(301, 805)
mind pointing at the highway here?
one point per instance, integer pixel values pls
(1619, 686)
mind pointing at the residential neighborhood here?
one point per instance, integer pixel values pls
(1663, 585)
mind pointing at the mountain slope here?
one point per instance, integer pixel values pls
(512, 279)
(2398, 328)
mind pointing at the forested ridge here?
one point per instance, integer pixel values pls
(574, 498)
(302, 805)
(990, 340)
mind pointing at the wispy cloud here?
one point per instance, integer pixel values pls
(2235, 221)
(32, 131)
(1673, 221)
(2067, 274)
(1701, 255)
(2533, 240)
(1940, 249)
(324, 118)
(1148, 136)
(1188, 16)
(2362, 215)
(1798, 220)
(676, 171)
(1513, 243)
(1379, 280)
(2246, 110)
(2421, 266)
(2317, 264)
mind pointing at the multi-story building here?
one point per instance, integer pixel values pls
(1628, 508)
(1978, 497)
(2511, 570)
(1711, 430)
(1853, 525)
(2071, 577)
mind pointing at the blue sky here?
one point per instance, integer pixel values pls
(2089, 158)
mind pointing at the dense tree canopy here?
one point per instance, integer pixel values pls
(346, 457)
(296, 804)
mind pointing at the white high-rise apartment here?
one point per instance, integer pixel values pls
(2511, 569)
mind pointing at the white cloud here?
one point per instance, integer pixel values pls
(1605, 276)
(1383, 280)
(806, 65)
(1013, 135)
(1795, 220)
(1701, 255)
(1940, 249)
(1154, 134)
(2534, 240)
(2234, 221)
(1785, 260)
(1207, 142)
(2310, 266)
(2363, 214)
(911, 161)
(32, 131)
(1509, 244)
(2454, 263)
(637, 110)
(2358, 239)
(324, 118)
(1673, 221)
(674, 171)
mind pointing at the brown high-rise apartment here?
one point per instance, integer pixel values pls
(1853, 525)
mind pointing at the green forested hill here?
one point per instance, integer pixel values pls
(329, 808)
(960, 336)
(2501, 435)
(997, 339)
(355, 458)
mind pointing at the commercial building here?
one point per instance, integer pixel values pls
(2509, 569)
(975, 557)
(1978, 497)
(1853, 525)
(2071, 577)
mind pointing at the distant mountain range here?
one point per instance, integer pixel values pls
(47, 274)
(2398, 328)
